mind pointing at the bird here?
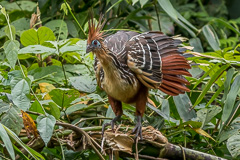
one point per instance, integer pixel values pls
(128, 64)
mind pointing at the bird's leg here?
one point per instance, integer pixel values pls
(138, 128)
(117, 109)
(141, 101)
(113, 121)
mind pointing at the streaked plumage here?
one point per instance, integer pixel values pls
(127, 64)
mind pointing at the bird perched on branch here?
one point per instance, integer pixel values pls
(128, 64)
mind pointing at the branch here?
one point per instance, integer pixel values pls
(82, 132)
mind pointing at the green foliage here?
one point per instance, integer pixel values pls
(46, 72)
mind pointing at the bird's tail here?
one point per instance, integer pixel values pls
(173, 67)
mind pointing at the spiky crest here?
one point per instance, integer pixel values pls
(95, 30)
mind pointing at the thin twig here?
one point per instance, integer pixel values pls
(80, 131)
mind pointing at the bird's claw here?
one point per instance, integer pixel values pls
(110, 124)
(138, 129)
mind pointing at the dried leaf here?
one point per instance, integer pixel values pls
(202, 132)
(29, 124)
(119, 142)
(46, 88)
(151, 102)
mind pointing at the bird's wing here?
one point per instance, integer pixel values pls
(115, 42)
(157, 62)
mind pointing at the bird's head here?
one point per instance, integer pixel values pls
(95, 35)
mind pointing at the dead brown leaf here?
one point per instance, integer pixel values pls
(29, 125)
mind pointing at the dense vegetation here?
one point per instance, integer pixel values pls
(45, 71)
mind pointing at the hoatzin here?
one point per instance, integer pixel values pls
(128, 64)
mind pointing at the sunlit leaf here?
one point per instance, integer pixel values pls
(45, 88)
(33, 37)
(202, 132)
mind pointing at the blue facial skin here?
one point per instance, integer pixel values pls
(95, 44)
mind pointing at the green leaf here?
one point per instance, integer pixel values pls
(205, 115)
(143, 2)
(11, 50)
(7, 142)
(20, 94)
(228, 25)
(19, 5)
(10, 32)
(227, 83)
(233, 145)
(37, 49)
(229, 132)
(20, 25)
(76, 107)
(177, 17)
(12, 120)
(36, 107)
(84, 83)
(196, 43)
(168, 8)
(45, 127)
(209, 84)
(109, 114)
(54, 110)
(214, 97)
(59, 28)
(211, 37)
(32, 152)
(33, 37)
(231, 97)
(63, 97)
(184, 105)
(159, 112)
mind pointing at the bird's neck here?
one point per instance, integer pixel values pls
(108, 60)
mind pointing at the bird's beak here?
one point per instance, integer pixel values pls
(89, 48)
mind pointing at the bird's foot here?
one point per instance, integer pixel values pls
(111, 123)
(138, 128)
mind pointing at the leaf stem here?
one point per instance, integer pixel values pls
(74, 17)
(158, 19)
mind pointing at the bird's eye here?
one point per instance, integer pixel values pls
(96, 43)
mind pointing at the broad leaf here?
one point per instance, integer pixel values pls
(109, 114)
(12, 120)
(54, 110)
(76, 107)
(45, 127)
(84, 83)
(59, 28)
(7, 142)
(205, 115)
(21, 94)
(63, 97)
(211, 37)
(33, 37)
(233, 145)
(11, 50)
(184, 105)
(231, 97)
